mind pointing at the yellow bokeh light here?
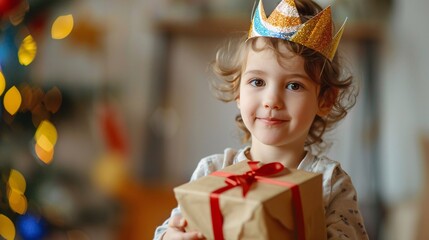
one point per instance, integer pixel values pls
(62, 26)
(27, 51)
(46, 132)
(44, 156)
(17, 201)
(17, 181)
(109, 172)
(44, 143)
(12, 100)
(7, 229)
(2, 83)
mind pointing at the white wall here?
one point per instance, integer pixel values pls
(405, 106)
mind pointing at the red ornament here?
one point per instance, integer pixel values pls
(8, 5)
(113, 130)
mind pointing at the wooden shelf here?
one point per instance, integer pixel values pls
(203, 27)
(211, 27)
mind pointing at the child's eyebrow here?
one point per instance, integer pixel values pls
(286, 75)
(258, 72)
(297, 75)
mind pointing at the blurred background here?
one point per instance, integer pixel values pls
(105, 107)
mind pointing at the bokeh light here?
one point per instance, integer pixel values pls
(62, 26)
(52, 100)
(17, 181)
(16, 189)
(109, 172)
(27, 51)
(39, 113)
(2, 83)
(41, 105)
(17, 201)
(12, 100)
(7, 229)
(46, 135)
(30, 97)
(46, 138)
(17, 14)
(7, 6)
(58, 203)
(31, 227)
(43, 155)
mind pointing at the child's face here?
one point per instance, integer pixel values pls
(277, 101)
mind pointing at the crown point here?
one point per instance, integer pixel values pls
(285, 23)
(316, 33)
(330, 52)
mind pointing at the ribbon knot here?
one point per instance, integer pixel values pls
(248, 178)
(251, 173)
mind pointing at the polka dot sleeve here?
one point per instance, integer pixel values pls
(343, 219)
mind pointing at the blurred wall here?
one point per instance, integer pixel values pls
(404, 121)
(404, 104)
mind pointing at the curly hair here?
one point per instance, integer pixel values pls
(336, 86)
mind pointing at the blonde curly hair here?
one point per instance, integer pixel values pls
(336, 87)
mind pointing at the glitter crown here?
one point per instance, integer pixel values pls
(285, 23)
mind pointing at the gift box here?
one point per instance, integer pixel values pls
(249, 200)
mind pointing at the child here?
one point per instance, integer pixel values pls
(287, 83)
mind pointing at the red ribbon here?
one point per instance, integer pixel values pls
(245, 181)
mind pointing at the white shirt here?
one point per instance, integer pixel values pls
(343, 219)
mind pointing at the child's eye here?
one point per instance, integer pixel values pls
(257, 82)
(293, 86)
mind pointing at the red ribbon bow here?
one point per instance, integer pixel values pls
(248, 178)
(245, 181)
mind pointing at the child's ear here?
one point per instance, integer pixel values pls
(237, 100)
(327, 101)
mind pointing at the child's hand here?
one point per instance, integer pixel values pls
(176, 230)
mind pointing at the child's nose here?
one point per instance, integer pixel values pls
(273, 101)
(272, 107)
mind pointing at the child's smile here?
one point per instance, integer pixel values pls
(271, 122)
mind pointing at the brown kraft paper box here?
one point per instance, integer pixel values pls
(266, 212)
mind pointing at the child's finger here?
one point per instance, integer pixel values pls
(177, 222)
(192, 236)
(177, 225)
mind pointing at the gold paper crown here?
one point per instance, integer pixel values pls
(285, 23)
